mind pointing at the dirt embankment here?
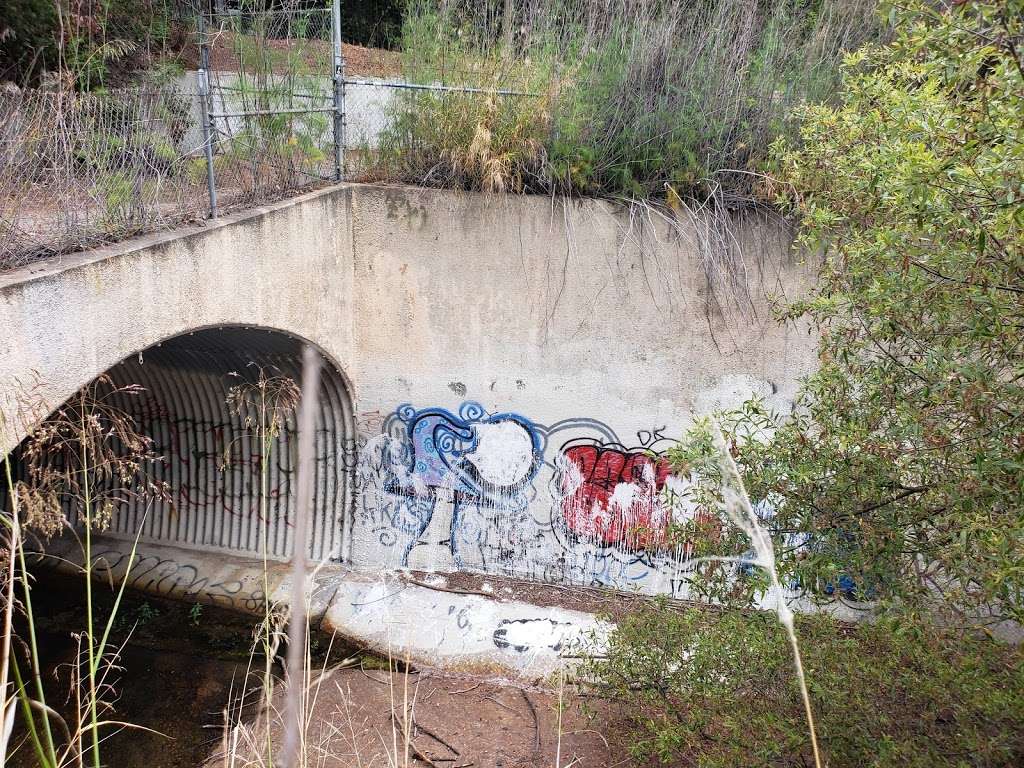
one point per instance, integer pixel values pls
(311, 56)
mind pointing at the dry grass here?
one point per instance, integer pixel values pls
(77, 466)
(643, 100)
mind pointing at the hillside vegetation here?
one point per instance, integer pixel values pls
(640, 100)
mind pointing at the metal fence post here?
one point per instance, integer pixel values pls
(339, 92)
(205, 106)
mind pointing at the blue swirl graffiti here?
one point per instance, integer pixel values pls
(444, 450)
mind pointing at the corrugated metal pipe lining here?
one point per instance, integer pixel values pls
(222, 478)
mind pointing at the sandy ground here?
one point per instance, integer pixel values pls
(366, 718)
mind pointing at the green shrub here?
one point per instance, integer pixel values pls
(899, 469)
(467, 141)
(718, 689)
(372, 22)
(104, 42)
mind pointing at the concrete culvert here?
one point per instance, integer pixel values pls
(212, 458)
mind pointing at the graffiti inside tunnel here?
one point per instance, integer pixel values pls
(228, 488)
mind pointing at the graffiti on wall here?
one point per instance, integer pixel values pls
(456, 485)
(501, 493)
(614, 495)
(162, 575)
(613, 506)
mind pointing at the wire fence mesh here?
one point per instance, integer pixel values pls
(78, 169)
(267, 113)
(271, 100)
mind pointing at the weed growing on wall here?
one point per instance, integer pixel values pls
(480, 141)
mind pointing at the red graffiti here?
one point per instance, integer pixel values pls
(613, 496)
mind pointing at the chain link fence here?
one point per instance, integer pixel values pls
(79, 169)
(269, 104)
(263, 116)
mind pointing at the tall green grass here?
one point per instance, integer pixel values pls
(642, 99)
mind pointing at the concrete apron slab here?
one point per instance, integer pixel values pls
(420, 620)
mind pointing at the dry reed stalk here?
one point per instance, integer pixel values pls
(740, 511)
(297, 622)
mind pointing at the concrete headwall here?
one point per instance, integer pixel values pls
(286, 267)
(518, 366)
(523, 366)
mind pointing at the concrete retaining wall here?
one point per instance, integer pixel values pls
(518, 366)
(523, 366)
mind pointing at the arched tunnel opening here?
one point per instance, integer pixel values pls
(183, 626)
(202, 398)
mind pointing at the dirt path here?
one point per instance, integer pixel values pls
(359, 722)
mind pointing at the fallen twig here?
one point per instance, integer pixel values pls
(368, 676)
(417, 726)
(439, 588)
(536, 721)
(416, 751)
(503, 706)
